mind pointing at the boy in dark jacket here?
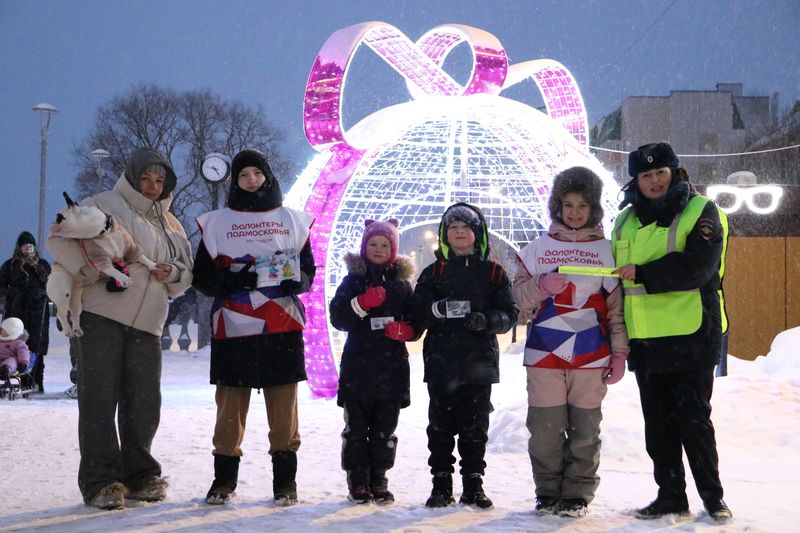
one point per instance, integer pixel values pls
(463, 300)
(374, 383)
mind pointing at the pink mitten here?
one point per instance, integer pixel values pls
(373, 297)
(399, 331)
(616, 368)
(552, 283)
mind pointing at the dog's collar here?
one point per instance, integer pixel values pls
(107, 227)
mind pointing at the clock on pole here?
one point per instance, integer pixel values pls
(216, 167)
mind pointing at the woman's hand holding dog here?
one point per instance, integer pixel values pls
(161, 272)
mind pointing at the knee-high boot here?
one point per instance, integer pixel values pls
(226, 476)
(284, 471)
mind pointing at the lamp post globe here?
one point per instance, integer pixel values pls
(45, 112)
(98, 156)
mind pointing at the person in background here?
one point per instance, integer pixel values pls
(374, 382)
(257, 320)
(23, 282)
(669, 242)
(463, 300)
(119, 372)
(14, 353)
(567, 380)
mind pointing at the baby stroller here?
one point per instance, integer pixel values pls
(19, 384)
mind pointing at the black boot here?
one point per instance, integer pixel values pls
(226, 476)
(284, 470)
(442, 493)
(473, 491)
(358, 486)
(661, 507)
(379, 487)
(718, 511)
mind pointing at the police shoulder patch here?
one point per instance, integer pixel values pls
(705, 228)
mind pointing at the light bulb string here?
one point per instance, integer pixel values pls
(755, 152)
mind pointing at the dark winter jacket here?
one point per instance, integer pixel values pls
(256, 361)
(23, 285)
(453, 355)
(373, 366)
(697, 266)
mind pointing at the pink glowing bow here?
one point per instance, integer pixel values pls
(420, 64)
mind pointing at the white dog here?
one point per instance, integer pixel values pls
(103, 243)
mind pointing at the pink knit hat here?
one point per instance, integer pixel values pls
(386, 229)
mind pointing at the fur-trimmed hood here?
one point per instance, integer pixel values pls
(404, 265)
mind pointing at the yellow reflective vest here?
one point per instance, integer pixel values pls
(670, 313)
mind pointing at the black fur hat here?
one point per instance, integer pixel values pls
(650, 156)
(579, 180)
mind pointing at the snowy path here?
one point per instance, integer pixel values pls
(756, 414)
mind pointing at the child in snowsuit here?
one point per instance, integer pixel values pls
(576, 344)
(463, 300)
(14, 353)
(374, 383)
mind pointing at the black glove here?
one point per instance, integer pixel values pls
(243, 280)
(475, 321)
(22, 366)
(290, 287)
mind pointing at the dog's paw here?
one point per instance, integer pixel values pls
(77, 332)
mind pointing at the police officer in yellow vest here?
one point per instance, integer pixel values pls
(669, 242)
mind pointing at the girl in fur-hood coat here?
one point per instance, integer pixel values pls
(373, 365)
(370, 305)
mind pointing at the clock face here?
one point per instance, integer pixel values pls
(215, 168)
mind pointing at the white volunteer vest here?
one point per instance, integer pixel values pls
(262, 233)
(546, 254)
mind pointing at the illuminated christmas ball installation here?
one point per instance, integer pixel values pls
(410, 161)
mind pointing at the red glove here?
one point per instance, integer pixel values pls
(399, 331)
(616, 368)
(551, 284)
(373, 297)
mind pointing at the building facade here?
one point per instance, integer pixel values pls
(694, 122)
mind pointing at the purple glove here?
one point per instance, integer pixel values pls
(551, 283)
(616, 368)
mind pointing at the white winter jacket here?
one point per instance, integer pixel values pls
(161, 238)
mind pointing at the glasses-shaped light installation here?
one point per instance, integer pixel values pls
(761, 199)
(410, 161)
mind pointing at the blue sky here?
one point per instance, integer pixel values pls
(77, 55)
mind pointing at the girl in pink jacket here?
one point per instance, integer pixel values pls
(14, 353)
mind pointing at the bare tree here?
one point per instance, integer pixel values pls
(185, 126)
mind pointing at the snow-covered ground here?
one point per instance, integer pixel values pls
(756, 413)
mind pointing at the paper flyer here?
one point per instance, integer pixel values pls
(283, 264)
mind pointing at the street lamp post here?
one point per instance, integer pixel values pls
(45, 113)
(98, 156)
